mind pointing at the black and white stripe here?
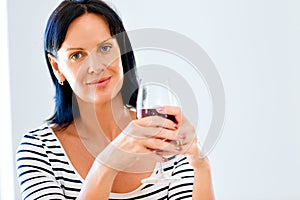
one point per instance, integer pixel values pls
(45, 172)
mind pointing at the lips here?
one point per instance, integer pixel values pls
(101, 82)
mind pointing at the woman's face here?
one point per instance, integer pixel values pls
(89, 59)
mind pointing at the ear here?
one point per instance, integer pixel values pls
(54, 63)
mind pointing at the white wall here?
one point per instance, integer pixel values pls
(254, 45)
(31, 87)
(6, 161)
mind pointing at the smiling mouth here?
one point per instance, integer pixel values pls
(101, 82)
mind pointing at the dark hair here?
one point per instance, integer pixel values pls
(66, 108)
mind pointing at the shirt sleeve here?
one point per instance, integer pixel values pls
(182, 189)
(35, 174)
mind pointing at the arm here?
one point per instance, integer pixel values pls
(202, 188)
(131, 145)
(195, 181)
(37, 178)
(98, 182)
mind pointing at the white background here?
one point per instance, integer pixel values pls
(254, 45)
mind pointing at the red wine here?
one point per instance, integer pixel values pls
(153, 112)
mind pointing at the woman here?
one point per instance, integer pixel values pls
(93, 147)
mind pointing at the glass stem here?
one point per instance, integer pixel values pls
(161, 171)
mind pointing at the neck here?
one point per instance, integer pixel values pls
(107, 119)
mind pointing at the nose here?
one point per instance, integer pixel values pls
(95, 65)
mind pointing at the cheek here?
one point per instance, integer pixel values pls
(121, 75)
(118, 68)
(118, 71)
(72, 75)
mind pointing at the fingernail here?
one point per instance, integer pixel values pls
(182, 136)
(159, 152)
(164, 159)
(178, 148)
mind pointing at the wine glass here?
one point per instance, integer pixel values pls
(150, 97)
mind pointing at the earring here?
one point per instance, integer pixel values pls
(61, 82)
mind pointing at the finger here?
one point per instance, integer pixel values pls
(141, 132)
(167, 135)
(157, 121)
(171, 110)
(162, 145)
(159, 133)
(189, 147)
(151, 156)
(186, 131)
(184, 138)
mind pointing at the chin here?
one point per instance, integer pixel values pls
(105, 98)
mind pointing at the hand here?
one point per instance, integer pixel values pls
(144, 140)
(186, 137)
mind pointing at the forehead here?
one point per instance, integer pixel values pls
(86, 31)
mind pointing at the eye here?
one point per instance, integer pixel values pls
(105, 48)
(76, 56)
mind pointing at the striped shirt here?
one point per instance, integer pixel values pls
(45, 172)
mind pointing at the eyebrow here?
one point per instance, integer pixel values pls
(72, 49)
